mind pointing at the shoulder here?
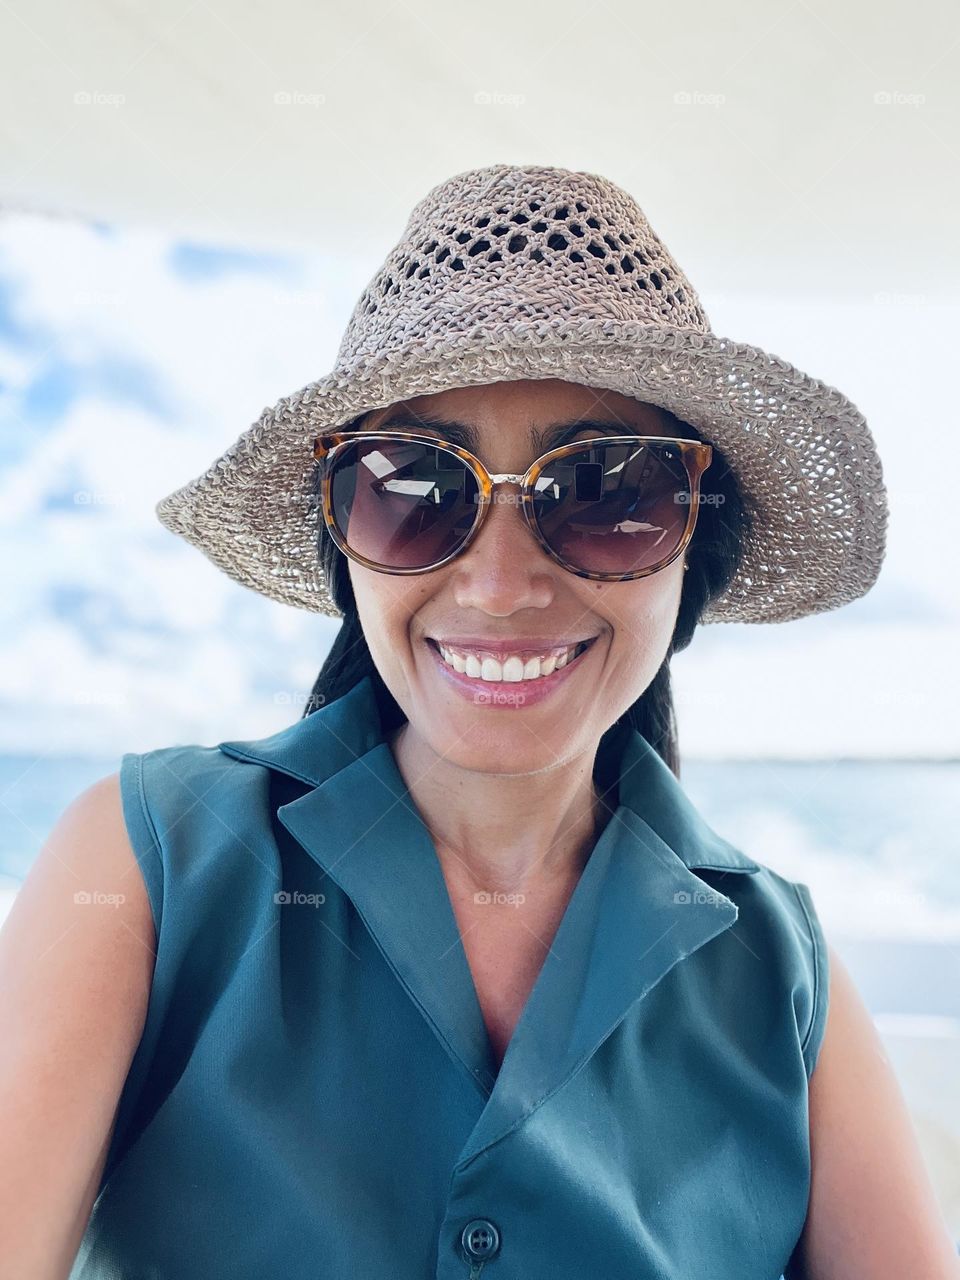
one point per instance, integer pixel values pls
(183, 783)
(194, 815)
(873, 1209)
(169, 770)
(89, 852)
(76, 972)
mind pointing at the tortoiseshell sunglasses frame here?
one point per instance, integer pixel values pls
(695, 454)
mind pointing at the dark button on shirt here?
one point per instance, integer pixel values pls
(480, 1239)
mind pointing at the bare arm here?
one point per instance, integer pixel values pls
(873, 1212)
(74, 984)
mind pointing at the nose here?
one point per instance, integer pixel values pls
(505, 568)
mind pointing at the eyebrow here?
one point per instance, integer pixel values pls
(467, 437)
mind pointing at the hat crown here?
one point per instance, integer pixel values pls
(494, 246)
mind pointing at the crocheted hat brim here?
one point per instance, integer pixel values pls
(804, 457)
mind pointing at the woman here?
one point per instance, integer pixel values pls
(450, 978)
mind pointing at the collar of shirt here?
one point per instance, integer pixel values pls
(638, 908)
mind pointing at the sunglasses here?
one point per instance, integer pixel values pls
(611, 508)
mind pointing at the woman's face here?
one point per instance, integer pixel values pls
(505, 587)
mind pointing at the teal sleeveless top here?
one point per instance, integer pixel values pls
(313, 1095)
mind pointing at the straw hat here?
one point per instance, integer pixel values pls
(510, 272)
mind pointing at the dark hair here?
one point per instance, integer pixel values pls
(713, 556)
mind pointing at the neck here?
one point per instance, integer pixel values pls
(499, 832)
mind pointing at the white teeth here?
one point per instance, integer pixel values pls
(490, 669)
(512, 669)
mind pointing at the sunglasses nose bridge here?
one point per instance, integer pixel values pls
(496, 479)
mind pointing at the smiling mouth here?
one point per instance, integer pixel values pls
(514, 669)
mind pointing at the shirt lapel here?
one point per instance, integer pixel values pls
(638, 908)
(360, 824)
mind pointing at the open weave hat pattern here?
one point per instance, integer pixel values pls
(513, 272)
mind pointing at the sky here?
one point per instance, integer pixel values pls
(130, 360)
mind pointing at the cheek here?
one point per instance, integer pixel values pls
(375, 606)
(384, 604)
(644, 620)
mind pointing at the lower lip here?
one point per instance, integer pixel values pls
(509, 695)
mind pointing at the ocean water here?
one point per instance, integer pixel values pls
(876, 841)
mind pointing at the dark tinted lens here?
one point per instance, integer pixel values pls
(614, 508)
(401, 504)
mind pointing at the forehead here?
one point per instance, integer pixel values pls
(532, 405)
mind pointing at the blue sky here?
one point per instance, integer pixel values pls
(129, 361)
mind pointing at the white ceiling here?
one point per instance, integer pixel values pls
(782, 172)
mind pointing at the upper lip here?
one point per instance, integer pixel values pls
(516, 644)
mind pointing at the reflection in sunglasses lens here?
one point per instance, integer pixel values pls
(615, 508)
(402, 504)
